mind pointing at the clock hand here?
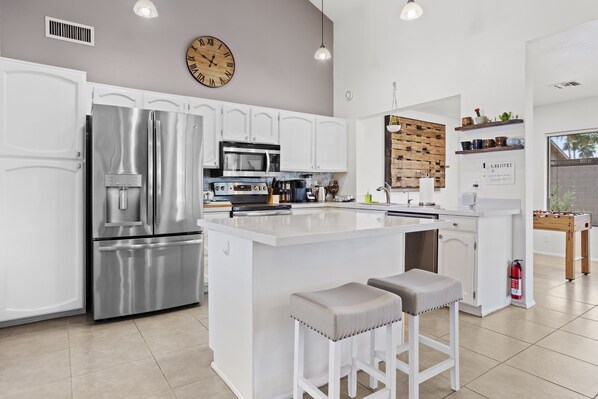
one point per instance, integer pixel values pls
(212, 61)
(206, 57)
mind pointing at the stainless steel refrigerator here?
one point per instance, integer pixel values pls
(144, 201)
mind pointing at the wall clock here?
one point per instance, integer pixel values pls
(210, 61)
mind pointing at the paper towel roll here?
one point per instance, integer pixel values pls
(426, 190)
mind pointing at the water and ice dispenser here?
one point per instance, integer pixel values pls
(123, 200)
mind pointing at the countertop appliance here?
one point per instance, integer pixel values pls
(249, 159)
(421, 247)
(248, 199)
(294, 190)
(144, 199)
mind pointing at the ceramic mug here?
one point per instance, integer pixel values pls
(489, 143)
(477, 144)
(466, 145)
(466, 121)
(501, 141)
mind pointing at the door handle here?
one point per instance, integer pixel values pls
(149, 206)
(149, 246)
(267, 162)
(158, 171)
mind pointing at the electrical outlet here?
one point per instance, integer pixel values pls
(475, 185)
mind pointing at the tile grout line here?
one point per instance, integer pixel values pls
(154, 357)
(68, 333)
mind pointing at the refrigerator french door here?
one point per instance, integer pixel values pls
(145, 199)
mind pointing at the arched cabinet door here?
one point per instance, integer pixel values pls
(41, 237)
(211, 111)
(41, 110)
(297, 142)
(456, 258)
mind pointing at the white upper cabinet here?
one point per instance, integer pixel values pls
(331, 144)
(42, 110)
(117, 96)
(297, 141)
(235, 122)
(264, 125)
(41, 237)
(211, 111)
(165, 102)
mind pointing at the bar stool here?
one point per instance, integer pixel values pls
(341, 313)
(422, 291)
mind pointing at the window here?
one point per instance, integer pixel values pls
(573, 173)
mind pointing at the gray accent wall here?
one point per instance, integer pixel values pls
(273, 42)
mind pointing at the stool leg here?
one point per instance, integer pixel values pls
(353, 375)
(334, 369)
(391, 361)
(454, 344)
(298, 362)
(373, 362)
(413, 357)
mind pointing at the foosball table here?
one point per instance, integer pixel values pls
(569, 223)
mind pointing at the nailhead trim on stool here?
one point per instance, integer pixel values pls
(423, 291)
(342, 313)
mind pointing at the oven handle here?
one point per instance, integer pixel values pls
(263, 213)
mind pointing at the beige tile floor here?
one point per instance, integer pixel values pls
(550, 351)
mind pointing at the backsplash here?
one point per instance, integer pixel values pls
(312, 179)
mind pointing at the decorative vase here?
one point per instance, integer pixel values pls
(479, 120)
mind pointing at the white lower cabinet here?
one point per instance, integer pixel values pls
(456, 258)
(41, 237)
(210, 216)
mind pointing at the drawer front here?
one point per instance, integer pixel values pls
(462, 223)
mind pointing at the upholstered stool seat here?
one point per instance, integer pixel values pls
(422, 291)
(337, 314)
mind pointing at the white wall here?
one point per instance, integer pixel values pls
(475, 49)
(558, 118)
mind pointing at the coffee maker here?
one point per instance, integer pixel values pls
(294, 190)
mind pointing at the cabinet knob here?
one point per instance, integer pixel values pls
(440, 236)
(246, 137)
(455, 224)
(78, 154)
(254, 139)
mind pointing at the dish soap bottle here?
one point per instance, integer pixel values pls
(368, 196)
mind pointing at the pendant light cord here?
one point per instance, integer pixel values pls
(322, 22)
(394, 104)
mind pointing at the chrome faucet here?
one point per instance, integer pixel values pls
(386, 188)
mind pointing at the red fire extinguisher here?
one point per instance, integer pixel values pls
(516, 275)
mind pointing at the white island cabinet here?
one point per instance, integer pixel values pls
(257, 263)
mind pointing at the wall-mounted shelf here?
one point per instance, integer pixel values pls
(492, 149)
(489, 124)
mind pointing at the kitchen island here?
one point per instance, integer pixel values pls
(256, 263)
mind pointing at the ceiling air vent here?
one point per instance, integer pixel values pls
(69, 31)
(563, 85)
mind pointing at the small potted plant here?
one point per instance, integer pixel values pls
(479, 118)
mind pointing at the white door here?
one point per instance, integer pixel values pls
(235, 122)
(165, 102)
(42, 110)
(331, 144)
(456, 258)
(41, 237)
(117, 96)
(264, 125)
(211, 111)
(297, 134)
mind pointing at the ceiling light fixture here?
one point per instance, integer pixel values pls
(322, 53)
(394, 124)
(145, 8)
(411, 11)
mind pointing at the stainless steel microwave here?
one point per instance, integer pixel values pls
(249, 159)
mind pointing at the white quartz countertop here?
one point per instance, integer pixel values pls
(329, 224)
(482, 209)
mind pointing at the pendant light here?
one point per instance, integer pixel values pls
(322, 53)
(145, 8)
(393, 119)
(411, 11)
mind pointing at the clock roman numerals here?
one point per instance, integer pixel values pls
(210, 61)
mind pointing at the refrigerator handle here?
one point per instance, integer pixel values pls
(150, 246)
(158, 170)
(150, 171)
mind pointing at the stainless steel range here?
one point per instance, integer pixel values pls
(248, 199)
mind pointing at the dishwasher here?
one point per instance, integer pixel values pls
(421, 247)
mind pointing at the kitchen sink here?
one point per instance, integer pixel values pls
(378, 203)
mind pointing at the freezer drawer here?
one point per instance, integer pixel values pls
(143, 275)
